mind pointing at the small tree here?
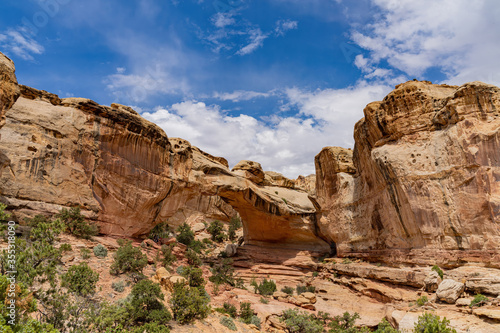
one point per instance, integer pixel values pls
(265, 288)
(146, 306)
(193, 258)
(3, 215)
(194, 276)
(345, 324)
(216, 229)
(76, 224)
(80, 279)
(188, 303)
(223, 272)
(301, 322)
(234, 225)
(431, 323)
(128, 259)
(184, 234)
(168, 257)
(246, 312)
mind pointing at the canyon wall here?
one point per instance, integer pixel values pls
(423, 180)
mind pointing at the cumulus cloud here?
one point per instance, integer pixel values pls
(458, 37)
(284, 144)
(20, 43)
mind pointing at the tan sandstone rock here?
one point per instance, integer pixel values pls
(432, 281)
(449, 291)
(250, 170)
(425, 188)
(9, 90)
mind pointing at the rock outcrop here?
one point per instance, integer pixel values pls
(9, 90)
(423, 184)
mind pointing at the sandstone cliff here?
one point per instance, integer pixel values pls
(9, 91)
(422, 181)
(126, 174)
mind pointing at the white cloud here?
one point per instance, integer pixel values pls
(282, 26)
(284, 144)
(220, 20)
(241, 95)
(458, 37)
(256, 40)
(20, 43)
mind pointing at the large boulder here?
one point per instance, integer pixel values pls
(250, 170)
(432, 281)
(449, 291)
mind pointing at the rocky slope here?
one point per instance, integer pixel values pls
(422, 182)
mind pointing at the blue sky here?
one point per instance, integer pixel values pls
(272, 81)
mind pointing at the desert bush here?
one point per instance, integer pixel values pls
(301, 322)
(305, 289)
(216, 229)
(184, 234)
(228, 309)
(421, 301)
(161, 230)
(76, 224)
(255, 321)
(385, 327)
(167, 257)
(3, 215)
(80, 279)
(431, 323)
(246, 312)
(85, 253)
(197, 246)
(345, 324)
(100, 251)
(229, 323)
(189, 303)
(128, 259)
(65, 247)
(193, 258)
(287, 290)
(264, 300)
(223, 272)
(479, 300)
(194, 276)
(146, 305)
(265, 288)
(234, 225)
(118, 286)
(438, 270)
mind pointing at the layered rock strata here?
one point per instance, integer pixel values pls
(422, 181)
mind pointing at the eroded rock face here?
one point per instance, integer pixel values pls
(427, 164)
(9, 90)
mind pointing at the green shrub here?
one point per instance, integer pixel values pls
(385, 327)
(168, 257)
(246, 312)
(421, 301)
(301, 322)
(197, 246)
(264, 300)
(438, 270)
(76, 224)
(65, 247)
(345, 324)
(315, 274)
(180, 270)
(216, 229)
(184, 234)
(146, 305)
(265, 288)
(305, 289)
(80, 279)
(223, 272)
(255, 321)
(118, 286)
(229, 323)
(161, 230)
(3, 215)
(347, 261)
(228, 309)
(431, 323)
(100, 251)
(234, 225)
(194, 276)
(193, 258)
(189, 303)
(85, 253)
(287, 290)
(128, 259)
(479, 300)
